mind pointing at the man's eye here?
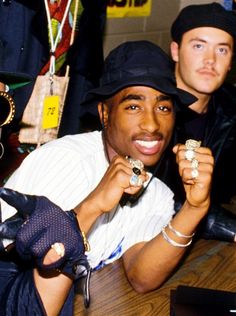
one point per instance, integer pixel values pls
(164, 108)
(198, 46)
(222, 50)
(132, 107)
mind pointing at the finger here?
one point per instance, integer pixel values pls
(200, 175)
(176, 148)
(186, 167)
(191, 177)
(24, 203)
(120, 163)
(202, 154)
(202, 163)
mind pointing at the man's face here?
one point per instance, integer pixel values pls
(138, 123)
(203, 59)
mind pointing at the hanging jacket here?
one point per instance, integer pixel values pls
(24, 33)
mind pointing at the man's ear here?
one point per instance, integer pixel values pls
(174, 50)
(103, 114)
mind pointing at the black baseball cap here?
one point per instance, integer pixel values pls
(203, 15)
(136, 63)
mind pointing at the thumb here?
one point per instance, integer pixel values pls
(175, 148)
(10, 227)
(23, 203)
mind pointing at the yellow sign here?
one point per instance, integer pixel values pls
(50, 112)
(128, 8)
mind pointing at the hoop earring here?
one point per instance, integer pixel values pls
(2, 150)
(7, 108)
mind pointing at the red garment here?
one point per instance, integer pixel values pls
(57, 12)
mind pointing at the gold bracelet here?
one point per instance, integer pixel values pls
(86, 242)
(177, 233)
(172, 242)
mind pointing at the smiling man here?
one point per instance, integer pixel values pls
(203, 49)
(92, 172)
(128, 133)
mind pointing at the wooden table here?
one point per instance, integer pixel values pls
(208, 264)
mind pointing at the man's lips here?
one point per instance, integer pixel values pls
(207, 72)
(148, 147)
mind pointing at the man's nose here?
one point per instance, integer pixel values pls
(210, 57)
(150, 122)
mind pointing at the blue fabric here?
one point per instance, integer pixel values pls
(18, 295)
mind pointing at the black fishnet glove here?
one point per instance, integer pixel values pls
(37, 225)
(40, 224)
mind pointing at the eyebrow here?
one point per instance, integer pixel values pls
(128, 97)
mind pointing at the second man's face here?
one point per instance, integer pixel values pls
(138, 123)
(203, 59)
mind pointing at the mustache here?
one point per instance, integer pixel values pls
(148, 136)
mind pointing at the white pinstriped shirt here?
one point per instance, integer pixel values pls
(67, 170)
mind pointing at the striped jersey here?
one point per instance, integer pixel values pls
(67, 170)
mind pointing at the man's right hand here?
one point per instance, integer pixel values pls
(114, 183)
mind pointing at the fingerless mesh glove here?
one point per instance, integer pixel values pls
(44, 223)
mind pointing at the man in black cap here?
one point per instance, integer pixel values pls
(202, 48)
(97, 171)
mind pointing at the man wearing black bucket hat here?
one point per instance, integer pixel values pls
(137, 100)
(91, 172)
(202, 48)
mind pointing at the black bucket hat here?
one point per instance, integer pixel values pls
(203, 15)
(136, 63)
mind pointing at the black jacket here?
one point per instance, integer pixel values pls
(24, 34)
(218, 132)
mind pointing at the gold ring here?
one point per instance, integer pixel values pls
(194, 173)
(192, 144)
(59, 248)
(189, 154)
(135, 181)
(194, 163)
(135, 163)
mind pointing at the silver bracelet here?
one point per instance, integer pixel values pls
(177, 233)
(172, 242)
